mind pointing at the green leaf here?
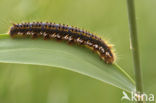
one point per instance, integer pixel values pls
(63, 56)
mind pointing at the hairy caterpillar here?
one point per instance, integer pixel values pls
(66, 33)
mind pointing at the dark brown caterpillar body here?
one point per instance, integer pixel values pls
(64, 32)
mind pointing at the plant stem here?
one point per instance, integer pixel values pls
(134, 44)
(4, 36)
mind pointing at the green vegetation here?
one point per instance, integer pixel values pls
(38, 71)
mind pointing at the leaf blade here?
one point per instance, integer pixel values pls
(54, 54)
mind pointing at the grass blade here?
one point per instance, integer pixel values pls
(55, 54)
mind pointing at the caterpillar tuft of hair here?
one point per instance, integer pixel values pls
(64, 32)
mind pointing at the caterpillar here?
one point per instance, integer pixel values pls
(71, 34)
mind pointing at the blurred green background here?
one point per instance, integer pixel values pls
(108, 18)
